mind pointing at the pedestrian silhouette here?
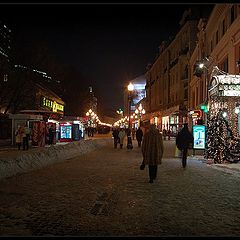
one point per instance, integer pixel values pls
(19, 134)
(121, 136)
(26, 137)
(50, 135)
(183, 139)
(139, 136)
(115, 133)
(152, 150)
(129, 139)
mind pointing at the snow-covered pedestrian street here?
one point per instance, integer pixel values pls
(104, 193)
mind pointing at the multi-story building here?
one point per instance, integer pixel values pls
(218, 45)
(167, 78)
(29, 92)
(5, 62)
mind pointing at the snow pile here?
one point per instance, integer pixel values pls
(44, 156)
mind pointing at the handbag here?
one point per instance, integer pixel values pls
(142, 166)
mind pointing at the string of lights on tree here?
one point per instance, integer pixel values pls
(223, 142)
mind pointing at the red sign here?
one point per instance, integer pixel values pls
(197, 114)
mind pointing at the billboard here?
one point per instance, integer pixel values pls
(199, 136)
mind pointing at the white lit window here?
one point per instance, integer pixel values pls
(5, 77)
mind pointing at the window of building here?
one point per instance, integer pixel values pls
(232, 18)
(224, 65)
(211, 45)
(201, 91)
(5, 77)
(185, 94)
(216, 37)
(193, 99)
(197, 96)
(223, 27)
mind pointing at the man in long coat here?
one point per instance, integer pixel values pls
(152, 150)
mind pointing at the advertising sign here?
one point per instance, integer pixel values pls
(65, 132)
(199, 135)
(52, 105)
(38, 133)
(75, 132)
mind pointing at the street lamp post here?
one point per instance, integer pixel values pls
(140, 110)
(92, 117)
(130, 89)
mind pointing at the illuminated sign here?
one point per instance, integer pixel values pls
(199, 136)
(229, 90)
(226, 90)
(197, 114)
(52, 105)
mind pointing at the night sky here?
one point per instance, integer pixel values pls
(109, 44)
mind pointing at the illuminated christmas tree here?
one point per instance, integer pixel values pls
(218, 137)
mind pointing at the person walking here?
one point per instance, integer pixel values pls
(139, 136)
(129, 139)
(121, 136)
(50, 135)
(152, 150)
(133, 133)
(19, 136)
(169, 134)
(183, 139)
(26, 138)
(115, 137)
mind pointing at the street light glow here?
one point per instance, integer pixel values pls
(130, 87)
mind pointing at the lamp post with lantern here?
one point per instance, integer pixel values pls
(91, 118)
(130, 90)
(129, 140)
(140, 111)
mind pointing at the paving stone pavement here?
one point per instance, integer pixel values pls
(104, 193)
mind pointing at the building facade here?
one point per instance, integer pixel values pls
(167, 78)
(218, 45)
(5, 62)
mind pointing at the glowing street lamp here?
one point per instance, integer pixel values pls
(129, 140)
(140, 111)
(130, 89)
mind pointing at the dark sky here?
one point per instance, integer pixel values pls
(110, 44)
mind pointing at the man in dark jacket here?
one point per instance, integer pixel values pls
(115, 133)
(183, 139)
(139, 136)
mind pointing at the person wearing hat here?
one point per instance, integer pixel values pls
(183, 139)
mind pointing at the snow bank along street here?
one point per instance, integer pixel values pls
(11, 165)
